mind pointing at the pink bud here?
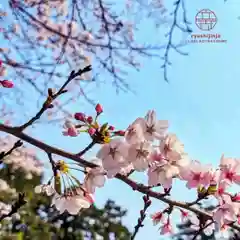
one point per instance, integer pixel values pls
(89, 119)
(80, 116)
(0, 63)
(98, 109)
(91, 131)
(7, 83)
(120, 133)
(72, 132)
(111, 128)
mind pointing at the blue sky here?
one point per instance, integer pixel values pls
(201, 103)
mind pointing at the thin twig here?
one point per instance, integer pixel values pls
(52, 96)
(17, 144)
(170, 44)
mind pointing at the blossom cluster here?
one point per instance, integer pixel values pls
(146, 146)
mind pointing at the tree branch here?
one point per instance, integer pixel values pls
(134, 185)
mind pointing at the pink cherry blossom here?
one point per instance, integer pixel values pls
(70, 129)
(226, 213)
(138, 155)
(171, 147)
(72, 202)
(151, 127)
(156, 157)
(114, 156)
(157, 217)
(184, 215)
(167, 228)
(230, 170)
(94, 178)
(134, 133)
(157, 175)
(196, 174)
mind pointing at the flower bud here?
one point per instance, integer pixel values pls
(98, 109)
(91, 131)
(7, 83)
(80, 116)
(89, 119)
(111, 128)
(120, 133)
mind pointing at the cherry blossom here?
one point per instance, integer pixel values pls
(70, 129)
(114, 156)
(171, 147)
(230, 170)
(157, 175)
(72, 201)
(157, 218)
(167, 228)
(196, 174)
(151, 127)
(134, 133)
(226, 213)
(138, 155)
(95, 177)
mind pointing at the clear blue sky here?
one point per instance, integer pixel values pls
(201, 102)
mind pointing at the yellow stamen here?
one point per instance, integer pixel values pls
(63, 167)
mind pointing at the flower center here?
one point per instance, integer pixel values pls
(112, 151)
(229, 175)
(197, 177)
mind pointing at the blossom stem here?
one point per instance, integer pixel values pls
(87, 148)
